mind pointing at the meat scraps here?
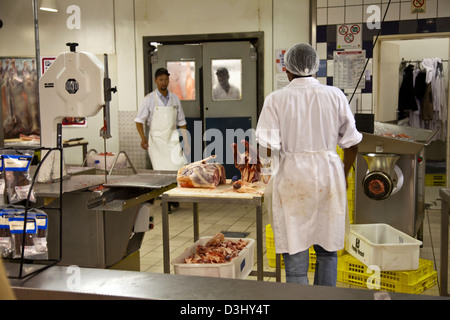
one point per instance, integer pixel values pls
(201, 174)
(245, 187)
(216, 250)
(376, 187)
(248, 163)
(398, 136)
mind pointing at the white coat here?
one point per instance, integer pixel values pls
(163, 139)
(305, 121)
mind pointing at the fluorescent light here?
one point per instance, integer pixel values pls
(48, 5)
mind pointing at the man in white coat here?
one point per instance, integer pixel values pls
(303, 123)
(164, 115)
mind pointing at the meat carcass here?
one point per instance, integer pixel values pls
(248, 163)
(201, 174)
(18, 102)
(30, 86)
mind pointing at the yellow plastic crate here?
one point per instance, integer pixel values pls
(271, 254)
(352, 271)
(435, 180)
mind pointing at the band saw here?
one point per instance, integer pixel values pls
(104, 217)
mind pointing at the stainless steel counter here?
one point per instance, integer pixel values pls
(85, 283)
(98, 219)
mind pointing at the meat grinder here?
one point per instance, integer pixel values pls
(383, 176)
(390, 177)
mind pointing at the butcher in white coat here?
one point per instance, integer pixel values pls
(303, 123)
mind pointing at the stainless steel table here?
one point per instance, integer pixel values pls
(445, 196)
(222, 194)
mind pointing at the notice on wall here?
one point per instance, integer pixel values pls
(418, 6)
(348, 66)
(46, 62)
(349, 36)
(279, 60)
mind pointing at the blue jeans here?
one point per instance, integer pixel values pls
(296, 266)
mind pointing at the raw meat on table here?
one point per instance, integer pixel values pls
(246, 187)
(201, 174)
(248, 163)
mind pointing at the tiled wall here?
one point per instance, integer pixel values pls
(399, 20)
(129, 140)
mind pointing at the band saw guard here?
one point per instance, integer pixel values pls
(71, 87)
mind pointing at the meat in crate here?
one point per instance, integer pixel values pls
(217, 257)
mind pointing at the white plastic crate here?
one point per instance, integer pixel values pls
(383, 246)
(238, 268)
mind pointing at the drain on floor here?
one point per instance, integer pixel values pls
(234, 234)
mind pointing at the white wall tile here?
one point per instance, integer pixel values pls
(322, 80)
(355, 104)
(336, 15)
(372, 1)
(367, 102)
(353, 14)
(353, 2)
(443, 8)
(322, 50)
(321, 3)
(330, 68)
(393, 12)
(321, 16)
(405, 11)
(431, 10)
(336, 3)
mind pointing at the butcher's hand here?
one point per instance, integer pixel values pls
(144, 144)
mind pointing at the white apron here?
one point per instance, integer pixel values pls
(164, 146)
(309, 202)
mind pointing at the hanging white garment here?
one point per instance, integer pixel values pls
(305, 121)
(163, 139)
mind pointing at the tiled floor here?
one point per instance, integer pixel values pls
(231, 217)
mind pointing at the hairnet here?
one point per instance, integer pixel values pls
(302, 60)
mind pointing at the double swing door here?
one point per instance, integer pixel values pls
(217, 85)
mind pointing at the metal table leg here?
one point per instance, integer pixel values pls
(259, 242)
(196, 225)
(165, 232)
(278, 267)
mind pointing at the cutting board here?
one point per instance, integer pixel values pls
(221, 191)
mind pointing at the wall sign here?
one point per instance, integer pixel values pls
(418, 6)
(348, 66)
(349, 36)
(279, 60)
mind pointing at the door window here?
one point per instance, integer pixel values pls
(226, 79)
(182, 79)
